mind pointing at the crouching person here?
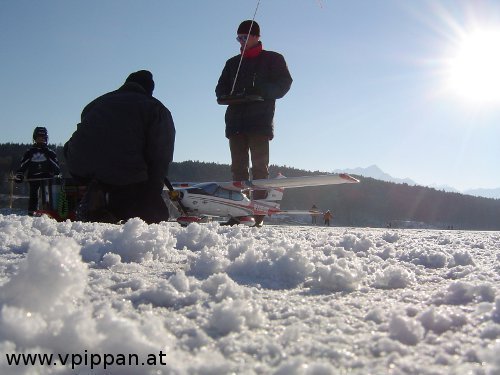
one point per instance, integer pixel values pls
(121, 150)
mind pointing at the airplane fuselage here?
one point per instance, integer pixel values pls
(214, 200)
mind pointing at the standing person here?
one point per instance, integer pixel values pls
(327, 216)
(256, 83)
(122, 150)
(39, 164)
(314, 214)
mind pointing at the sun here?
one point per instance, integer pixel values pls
(474, 69)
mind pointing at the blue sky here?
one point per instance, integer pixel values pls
(371, 78)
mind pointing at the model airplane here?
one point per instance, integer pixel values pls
(233, 200)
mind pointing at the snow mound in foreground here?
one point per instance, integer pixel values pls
(211, 299)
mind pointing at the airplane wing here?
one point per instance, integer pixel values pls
(181, 185)
(292, 182)
(298, 212)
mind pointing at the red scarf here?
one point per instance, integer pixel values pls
(253, 52)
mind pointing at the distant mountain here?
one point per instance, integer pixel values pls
(447, 188)
(375, 172)
(487, 193)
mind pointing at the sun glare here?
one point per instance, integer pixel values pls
(474, 70)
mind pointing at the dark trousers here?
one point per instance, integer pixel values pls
(112, 203)
(257, 146)
(35, 187)
(142, 200)
(33, 201)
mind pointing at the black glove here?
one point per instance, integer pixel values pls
(19, 177)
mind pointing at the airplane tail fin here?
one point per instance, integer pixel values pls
(270, 196)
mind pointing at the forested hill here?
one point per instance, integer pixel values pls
(371, 203)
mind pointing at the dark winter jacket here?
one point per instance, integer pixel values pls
(125, 137)
(39, 161)
(266, 74)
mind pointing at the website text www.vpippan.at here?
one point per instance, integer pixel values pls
(88, 360)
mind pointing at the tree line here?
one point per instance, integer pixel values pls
(372, 202)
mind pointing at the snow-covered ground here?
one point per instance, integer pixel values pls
(208, 299)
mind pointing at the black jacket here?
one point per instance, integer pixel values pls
(124, 137)
(39, 161)
(266, 74)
